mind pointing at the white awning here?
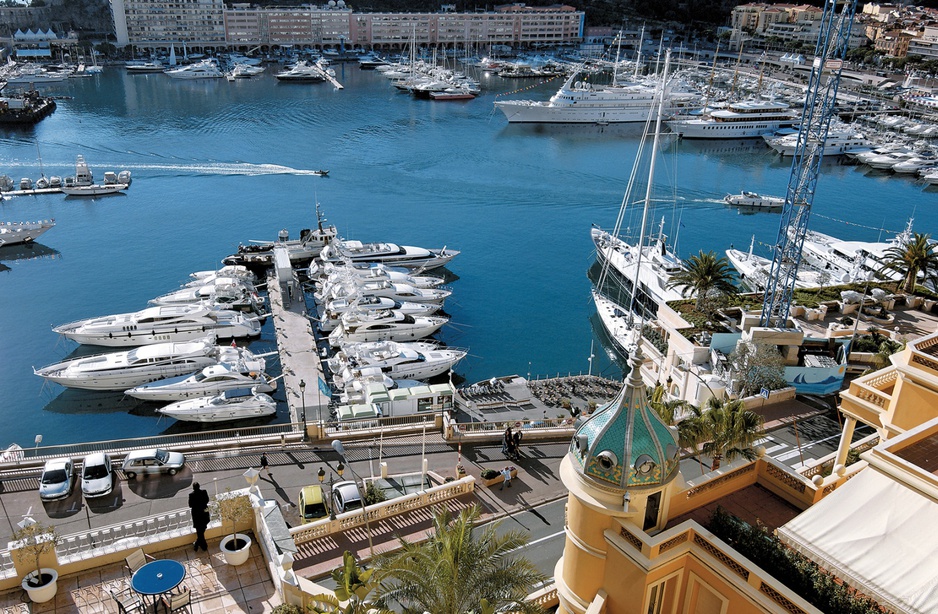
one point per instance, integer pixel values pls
(878, 535)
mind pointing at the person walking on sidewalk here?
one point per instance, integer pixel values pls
(264, 463)
(517, 441)
(198, 508)
(506, 474)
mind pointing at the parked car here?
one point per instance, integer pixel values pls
(57, 479)
(312, 503)
(346, 497)
(153, 460)
(96, 478)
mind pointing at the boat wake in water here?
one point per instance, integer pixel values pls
(208, 168)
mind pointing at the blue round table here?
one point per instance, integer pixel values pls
(158, 577)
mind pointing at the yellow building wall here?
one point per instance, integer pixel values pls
(583, 570)
(628, 588)
(913, 404)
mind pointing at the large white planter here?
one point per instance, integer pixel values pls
(44, 593)
(236, 557)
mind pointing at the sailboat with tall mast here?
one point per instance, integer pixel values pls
(646, 268)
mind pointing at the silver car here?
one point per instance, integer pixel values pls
(346, 497)
(57, 479)
(96, 479)
(154, 460)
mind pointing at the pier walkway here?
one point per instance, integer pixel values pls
(299, 357)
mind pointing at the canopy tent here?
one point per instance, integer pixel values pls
(878, 535)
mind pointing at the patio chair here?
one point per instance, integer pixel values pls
(174, 602)
(137, 559)
(127, 601)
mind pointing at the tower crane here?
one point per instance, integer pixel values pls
(820, 99)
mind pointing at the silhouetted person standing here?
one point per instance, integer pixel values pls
(198, 505)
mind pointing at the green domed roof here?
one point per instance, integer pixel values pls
(625, 444)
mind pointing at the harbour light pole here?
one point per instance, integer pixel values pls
(337, 446)
(303, 403)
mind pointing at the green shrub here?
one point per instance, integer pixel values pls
(489, 474)
(798, 573)
(374, 495)
(284, 608)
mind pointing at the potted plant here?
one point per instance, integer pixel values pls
(234, 508)
(491, 477)
(32, 542)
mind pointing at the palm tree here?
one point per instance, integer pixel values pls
(457, 571)
(726, 428)
(918, 255)
(702, 274)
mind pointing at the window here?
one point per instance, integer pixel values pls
(661, 597)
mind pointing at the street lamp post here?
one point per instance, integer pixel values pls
(322, 478)
(303, 403)
(337, 446)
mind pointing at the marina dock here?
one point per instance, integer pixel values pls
(297, 348)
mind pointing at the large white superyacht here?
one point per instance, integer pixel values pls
(739, 120)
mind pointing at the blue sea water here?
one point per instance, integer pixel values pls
(218, 163)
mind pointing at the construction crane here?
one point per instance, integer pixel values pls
(819, 103)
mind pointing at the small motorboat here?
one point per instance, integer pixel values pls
(235, 404)
(221, 292)
(330, 313)
(751, 200)
(321, 173)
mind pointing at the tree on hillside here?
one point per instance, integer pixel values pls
(458, 570)
(703, 274)
(918, 255)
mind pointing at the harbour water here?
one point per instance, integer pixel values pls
(217, 163)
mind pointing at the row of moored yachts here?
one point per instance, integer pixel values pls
(378, 312)
(174, 356)
(375, 304)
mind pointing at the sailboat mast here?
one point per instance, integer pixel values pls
(615, 67)
(651, 175)
(638, 52)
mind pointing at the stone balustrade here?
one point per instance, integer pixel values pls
(343, 522)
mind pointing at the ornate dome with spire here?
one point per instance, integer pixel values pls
(625, 444)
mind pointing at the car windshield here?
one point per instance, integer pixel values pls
(95, 472)
(162, 456)
(353, 504)
(56, 476)
(314, 510)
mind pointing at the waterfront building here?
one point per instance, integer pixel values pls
(633, 539)
(798, 23)
(211, 25)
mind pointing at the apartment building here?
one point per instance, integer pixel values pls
(211, 24)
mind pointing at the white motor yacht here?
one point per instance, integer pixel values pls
(144, 67)
(739, 120)
(210, 381)
(418, 360)
(390, 254)
(381, 288)
(206, 69)
(582, 102)
(13, 233)
(754, 271)
(751, 200)
(235, 404)
(302, 72)
(916, 163)
(239, 272)
(324, 271)
(160, 324)
(244, 71)
(119, 370)
(222, 292)
(839, 141)
(304, 249)
(330, 312)
(858, 260)
(384, 326)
